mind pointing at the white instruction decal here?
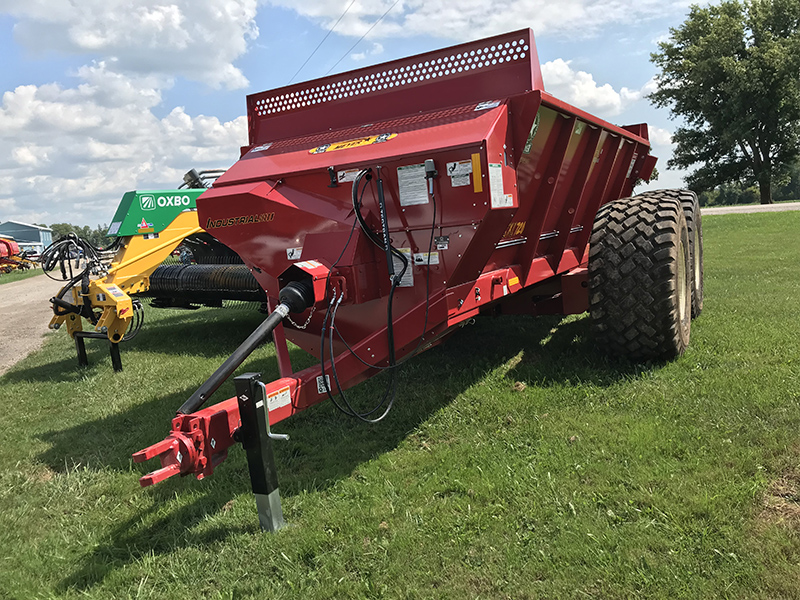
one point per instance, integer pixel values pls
(499, 198)
(421, 259)
(630, 169)
(323, 388)
(488, 104)
(294, 253)
(413, 185)
(408, 277)
(459, 180)
(283, 397)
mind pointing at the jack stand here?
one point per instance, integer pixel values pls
(80, 346)
(255, 437)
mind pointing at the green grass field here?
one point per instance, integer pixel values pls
(19, 275)
(519, 462)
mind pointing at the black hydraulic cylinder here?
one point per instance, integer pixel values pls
(385, 226)
(234, 360)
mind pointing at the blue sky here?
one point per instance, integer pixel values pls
(104, 96)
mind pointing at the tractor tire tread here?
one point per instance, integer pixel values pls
(632, 272)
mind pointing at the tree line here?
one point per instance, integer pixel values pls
(96, 237)
(783, 190)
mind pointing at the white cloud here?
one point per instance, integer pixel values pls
(375, 50)
(70, 153)
(660, 39)
(662, 147)
(660, 137)
(473, 19)
(198, 40)
(580, 88)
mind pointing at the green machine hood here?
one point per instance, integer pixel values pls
(151, 211)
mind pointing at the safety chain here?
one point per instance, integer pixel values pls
(308, 320)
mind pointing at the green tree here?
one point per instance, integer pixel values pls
(732, 72)
(97, 236)
(790, 188)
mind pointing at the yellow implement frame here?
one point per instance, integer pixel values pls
(129, 273)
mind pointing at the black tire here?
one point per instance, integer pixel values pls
(640, 277)
(694, 226)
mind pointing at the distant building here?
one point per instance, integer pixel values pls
(29, 237)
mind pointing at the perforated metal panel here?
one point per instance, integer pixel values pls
(494, 68)
(442, 67)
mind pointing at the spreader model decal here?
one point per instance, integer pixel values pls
(365, 141)
(243, 220)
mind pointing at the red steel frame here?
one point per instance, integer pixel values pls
(481, 103)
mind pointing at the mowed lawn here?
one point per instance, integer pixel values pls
(519, 462)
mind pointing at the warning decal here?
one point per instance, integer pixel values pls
(283, 397)
(347, 175)
(114, 291)
(308, 264)
(459, 172)
(423, 259)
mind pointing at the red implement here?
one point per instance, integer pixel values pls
(491, 187)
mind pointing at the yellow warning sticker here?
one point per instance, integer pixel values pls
(364, 141)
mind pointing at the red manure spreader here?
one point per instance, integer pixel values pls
(382, 208)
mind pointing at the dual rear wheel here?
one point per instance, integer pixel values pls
(646, 274)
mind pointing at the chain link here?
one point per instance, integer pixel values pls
(308, 320)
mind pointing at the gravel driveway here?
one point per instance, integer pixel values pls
(24, 314)
(754, 208)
